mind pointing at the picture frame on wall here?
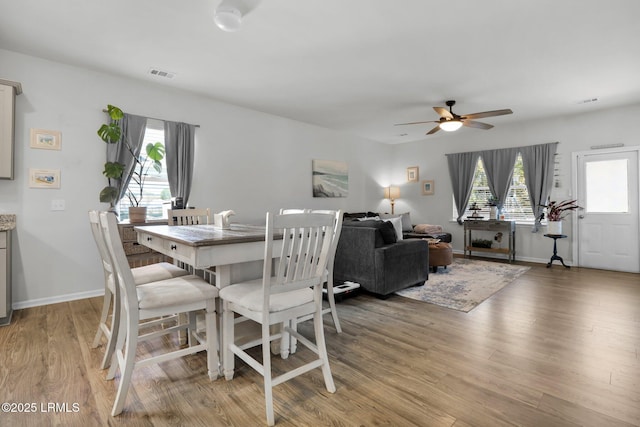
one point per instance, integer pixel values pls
(428, 188)
(44, 178)
(45, 139)
(412, 174)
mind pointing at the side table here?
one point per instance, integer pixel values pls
(555, 256)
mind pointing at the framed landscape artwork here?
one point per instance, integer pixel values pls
(330, 178)
(428, 187)
(44, 178)
(46, 139)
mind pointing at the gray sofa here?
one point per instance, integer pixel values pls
(369, 254)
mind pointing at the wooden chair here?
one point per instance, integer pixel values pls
(189, 216)
(185, 294)
(294, 291)
(329, 275)
(141, 275)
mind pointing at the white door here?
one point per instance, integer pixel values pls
(608, 223)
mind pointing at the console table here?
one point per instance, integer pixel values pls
(508, 228)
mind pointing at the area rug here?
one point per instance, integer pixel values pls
(464, 284)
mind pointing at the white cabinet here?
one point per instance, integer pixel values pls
(5, 277)
(8, 92)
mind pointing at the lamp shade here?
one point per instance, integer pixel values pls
(451, 125)
(391, 193)
(227, 18)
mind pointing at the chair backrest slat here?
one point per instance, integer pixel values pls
(189, 216)
(306, 243)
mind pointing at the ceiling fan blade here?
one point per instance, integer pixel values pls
(443, 112)
(488, 114)
(414, 123)
(477, 125)
(434, 130)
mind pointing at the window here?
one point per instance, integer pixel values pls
(156, 196)
(517, 207)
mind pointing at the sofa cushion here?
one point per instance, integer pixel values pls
(386, 229)
(407, 226)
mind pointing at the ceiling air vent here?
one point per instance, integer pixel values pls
(160, 73)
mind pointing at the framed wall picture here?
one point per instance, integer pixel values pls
(44, 178)
(46, 139)
(412, 174)
(428, 188)
(330, 178)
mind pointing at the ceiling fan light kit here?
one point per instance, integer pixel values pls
(450, 121)
(227, 18)
(450, 125)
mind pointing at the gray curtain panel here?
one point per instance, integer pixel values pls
(537, 162)
(498, 164)
(179, 147)
(133, 128)
(461, 170)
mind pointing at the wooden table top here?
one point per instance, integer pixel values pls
(206, 235)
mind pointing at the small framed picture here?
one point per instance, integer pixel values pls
(428, 188)
(44, 178)
(46, 139)
(412, 174)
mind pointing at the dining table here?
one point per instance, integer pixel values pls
(233, 253)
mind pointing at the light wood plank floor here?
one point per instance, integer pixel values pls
(557, 347)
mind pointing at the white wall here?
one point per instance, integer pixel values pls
(574, 133)
(245, 160)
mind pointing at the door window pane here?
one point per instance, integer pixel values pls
(607, 186)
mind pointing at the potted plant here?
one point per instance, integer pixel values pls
(493, 202)
(556, 212)
(111, 134)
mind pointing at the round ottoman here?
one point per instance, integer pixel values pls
(440, 254)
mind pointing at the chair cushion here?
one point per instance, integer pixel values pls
(176, 291)
(155, 272)
(249, 294)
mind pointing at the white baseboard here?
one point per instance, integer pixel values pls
(57, 299)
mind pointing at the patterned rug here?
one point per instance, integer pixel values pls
(464, 284)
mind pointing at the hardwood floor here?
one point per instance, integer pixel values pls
(557, 347)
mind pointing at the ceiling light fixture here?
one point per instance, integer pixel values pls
(451, 125)
(227, 17)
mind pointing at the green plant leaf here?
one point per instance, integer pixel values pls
(113, 170)
(108, 195)
(114, 112)
(110, 133)
(155, 151)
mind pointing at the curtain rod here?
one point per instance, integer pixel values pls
(154, 118)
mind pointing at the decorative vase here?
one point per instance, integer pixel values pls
(493, 214)
(137, 214)
(554, 227)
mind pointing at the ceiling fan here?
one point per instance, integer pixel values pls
(450, 121)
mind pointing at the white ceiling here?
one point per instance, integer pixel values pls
(357, 66)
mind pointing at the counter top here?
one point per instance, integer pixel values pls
(7, 222)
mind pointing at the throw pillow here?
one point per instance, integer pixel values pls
(388, 232)
(406, 220)
(397, 225)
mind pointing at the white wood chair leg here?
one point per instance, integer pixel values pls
(266, 365)
(227, 338)
(120, 335)
(113, 336)
(332, 303)
(213, 362)
(322, 351)
(106, 304)
(126, 370)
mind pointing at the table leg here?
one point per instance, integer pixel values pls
(555, 255)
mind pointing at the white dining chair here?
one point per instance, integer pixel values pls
(189, 216)
(328, 279)
(108, 324)
(185, 294)
(294, 290)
